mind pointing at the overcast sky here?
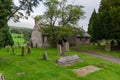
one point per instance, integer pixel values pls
(89, 6)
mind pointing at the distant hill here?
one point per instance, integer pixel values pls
(26, 32)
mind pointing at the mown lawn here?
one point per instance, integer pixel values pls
(34, 68)
(100, 50)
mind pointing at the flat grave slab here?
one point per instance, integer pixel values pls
(68, 60)
(86, 70)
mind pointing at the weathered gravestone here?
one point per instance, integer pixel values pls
(13, 50)
(66, 46)
(7, 48)
(68, 60)
(108, 46)
(45, 56)
(59, 48)
(18, 44)
(23, 51)
(28, 50)
(1, 77)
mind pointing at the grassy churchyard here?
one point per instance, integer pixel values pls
(32, 67)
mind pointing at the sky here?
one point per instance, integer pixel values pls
(89, 6)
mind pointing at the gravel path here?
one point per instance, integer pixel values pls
(109, 58)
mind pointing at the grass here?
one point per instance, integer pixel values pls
(34, 68)
(18, 38)
(100, 50)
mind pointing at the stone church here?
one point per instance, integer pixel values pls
(37, 38)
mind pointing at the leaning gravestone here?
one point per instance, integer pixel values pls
(68, 60)
(59, 48)
(66, 46)
(1, 77)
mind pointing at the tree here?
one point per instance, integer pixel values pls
(107, 21)
(8, 10)
(60, 16)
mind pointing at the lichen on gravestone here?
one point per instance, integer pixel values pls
(68, 60)
(45, 56)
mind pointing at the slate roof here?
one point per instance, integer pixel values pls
(85, 34)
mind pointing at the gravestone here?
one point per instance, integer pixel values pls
(18, 44)
(7, 48)
(13, 50)
(68, 60)
(45, 56)
(59, 48)
(1, 77)
(28, 50)
(66, 46)
(23, 51)
(108, 46)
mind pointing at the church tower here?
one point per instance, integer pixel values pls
(36, 36)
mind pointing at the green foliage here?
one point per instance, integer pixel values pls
(60, 13)
(8, 10)
(107, 23)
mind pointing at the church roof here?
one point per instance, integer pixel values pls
(85, 34)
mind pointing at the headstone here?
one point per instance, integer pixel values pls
(13, 50)
(28, 50)
(66, 46)
(45, 56)
(1, 77)
(23, 51)
(68, 60)
(7, 48)
(108, 46)
(59, 48)
(31, 43)
(18, 44)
